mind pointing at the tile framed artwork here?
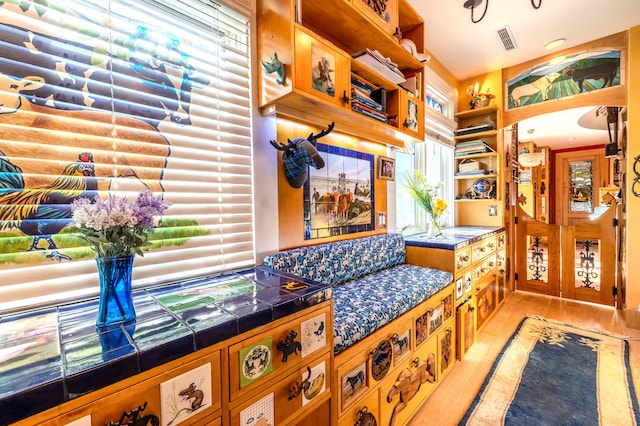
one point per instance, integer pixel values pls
(339, 198)
(255, 361)
(185, 395)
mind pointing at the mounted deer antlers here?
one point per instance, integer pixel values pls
(300, 153)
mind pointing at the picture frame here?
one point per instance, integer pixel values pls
(386, 168)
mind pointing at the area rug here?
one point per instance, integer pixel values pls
(555, 374)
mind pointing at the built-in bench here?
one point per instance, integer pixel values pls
(372, 283)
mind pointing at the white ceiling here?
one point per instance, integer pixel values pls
(467, 49)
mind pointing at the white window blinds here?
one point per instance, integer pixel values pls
(136, 94)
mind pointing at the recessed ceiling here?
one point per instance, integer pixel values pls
(467, 49)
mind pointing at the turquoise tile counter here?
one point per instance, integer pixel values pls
(52, 355)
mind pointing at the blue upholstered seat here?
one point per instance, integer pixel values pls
(372, 284)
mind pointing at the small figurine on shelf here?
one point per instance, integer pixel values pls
(477, 99)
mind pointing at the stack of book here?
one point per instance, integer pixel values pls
(472, 147)
(367, 99)
(374, 60)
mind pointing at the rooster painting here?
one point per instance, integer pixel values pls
(43, 211)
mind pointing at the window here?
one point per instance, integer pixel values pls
(434, 159)
(147, 94)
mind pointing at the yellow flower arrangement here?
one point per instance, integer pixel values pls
(426, 195)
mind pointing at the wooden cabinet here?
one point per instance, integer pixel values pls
(292, 382)
(421, 347)
(479, 267)
(296, 378)
(314, 41)
(312, 58)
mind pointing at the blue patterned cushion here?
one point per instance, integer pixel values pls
(341, 261)
(372, 283)
(362, 306)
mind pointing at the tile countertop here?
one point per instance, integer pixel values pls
(51, 355)
(453, 238)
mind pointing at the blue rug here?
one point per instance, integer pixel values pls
(555, 374)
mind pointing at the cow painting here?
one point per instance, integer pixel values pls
(578, 73)
(603, 71)
(539, 86)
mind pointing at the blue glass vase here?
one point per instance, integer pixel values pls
(116, 303)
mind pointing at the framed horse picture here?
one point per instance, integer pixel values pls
(386, 168)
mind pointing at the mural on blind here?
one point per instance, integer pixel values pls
(338, 199)
(578, 73)
(84, 111)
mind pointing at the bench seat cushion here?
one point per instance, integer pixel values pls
(364, 305)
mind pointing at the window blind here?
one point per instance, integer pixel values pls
(140, 95)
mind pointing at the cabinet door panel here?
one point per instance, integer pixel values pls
(404, 391)
(321, 70)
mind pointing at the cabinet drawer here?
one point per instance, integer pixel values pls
(433, 313)
(168, 396)
(362, 372)
(404, 391)
(502, 240)
(368, 404)
(257, 358)
(463, 258)
(289, 396)
(483, 248)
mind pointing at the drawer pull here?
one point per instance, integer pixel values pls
(416, 362)
(299, 387)
(365, 418)
(289, 345)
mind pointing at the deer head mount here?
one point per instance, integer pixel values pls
(300, 153)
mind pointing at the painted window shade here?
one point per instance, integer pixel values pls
(145, 94)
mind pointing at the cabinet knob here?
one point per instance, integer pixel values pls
(289, 345)
(299, 387)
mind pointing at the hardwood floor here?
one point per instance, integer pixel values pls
(448, 404)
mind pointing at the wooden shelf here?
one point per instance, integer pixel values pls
(472, 156)
(477, 112)
(478, 176)
(301, 108)
(475, 200)
(354, 32)
(478, 135)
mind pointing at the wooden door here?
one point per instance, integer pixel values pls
(574, 262)
(578, 178)
(589, 260)
(537, 255)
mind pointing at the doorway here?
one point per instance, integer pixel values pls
(573, 253)
(578, 177)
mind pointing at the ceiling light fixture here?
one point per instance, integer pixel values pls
(555, 43)
(472, 4)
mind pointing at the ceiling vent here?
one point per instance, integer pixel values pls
(506, 36)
